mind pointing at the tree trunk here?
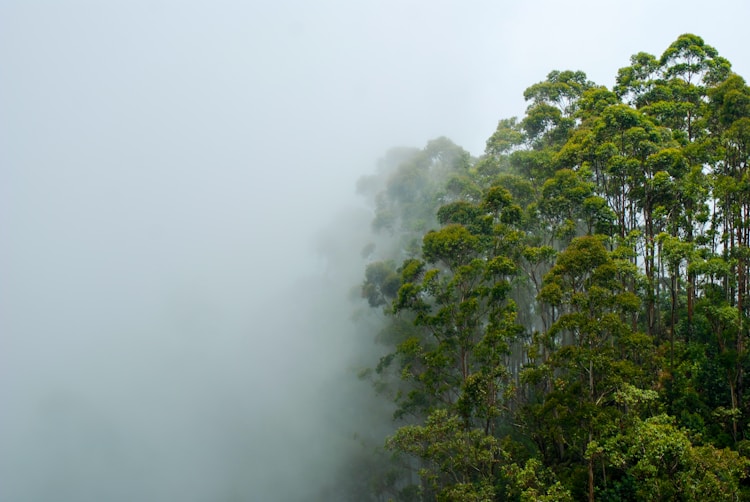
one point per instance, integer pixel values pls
(591, 471)
(591, 432)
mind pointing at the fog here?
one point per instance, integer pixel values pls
(179, 228)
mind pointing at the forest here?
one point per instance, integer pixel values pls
(565, 317)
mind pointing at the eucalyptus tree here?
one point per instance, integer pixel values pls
(730, 104)
(551, 115)
(591, 352)
(620, 153)
(549, 121)
(594, 259)
(660, 462)
(455, 363)
(673, 92)
(730, 121)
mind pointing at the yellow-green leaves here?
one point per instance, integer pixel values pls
(452, 245)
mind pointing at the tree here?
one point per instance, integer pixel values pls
(666, 465)
(566, 317)
(588, 357)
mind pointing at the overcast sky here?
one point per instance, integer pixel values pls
(165, 164)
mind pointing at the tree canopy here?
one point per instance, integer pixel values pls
(565, 317)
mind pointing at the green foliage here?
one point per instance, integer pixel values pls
(570, 315)
(453, 245)
(534, 483)
(458, 463)
(381, 283)
(666, 465)
(507, 137)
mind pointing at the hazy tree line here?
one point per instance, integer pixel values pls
(566, 316)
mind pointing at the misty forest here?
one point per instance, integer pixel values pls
(261, 251)
(564, 317)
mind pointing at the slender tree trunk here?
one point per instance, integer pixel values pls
(690, 286)
(673, 311)
(733, 395)
(649, 267)
(741, 292)
(659, 275)
(591, 471)
(591, 432)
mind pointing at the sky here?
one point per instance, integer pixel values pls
(166, 171)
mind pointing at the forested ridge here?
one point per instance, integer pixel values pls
(565, 317)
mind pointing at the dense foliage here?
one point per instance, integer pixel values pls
(566, 317)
